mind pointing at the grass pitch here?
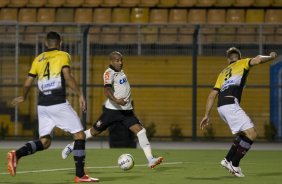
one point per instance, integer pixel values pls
(179, 167)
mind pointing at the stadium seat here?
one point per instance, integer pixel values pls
(197, 16)
(167, 3)
(129, 35)
(235, 16)
(55, 3)
(17, 3)
(139, 15)
(65, 15)
(92, 3)
(73, 3)
(46, 15)
(216, 16)
(4, 3)
(110, 3)
(226, 34)
(148, 3)
(9, 14)
(185, 35)
(27, 15)
(178, 16)
(36, 3)
(109, 35)
(205, 3)
(94, 34)
(158, 16)
(243, 3)
(224, 3)
(102, 15)
(263, 3)
(186, 3)
(129, 3)
(273, 16)
(83, 15)
(277, 3)
(168, 35)
(255, 16)
(121, 15)
(149, 34)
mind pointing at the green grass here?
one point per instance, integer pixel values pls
(180, 167)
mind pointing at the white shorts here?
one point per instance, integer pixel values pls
(61, 115)
(235, 117)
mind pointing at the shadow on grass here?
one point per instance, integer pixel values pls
(210, 178)
(269, 174)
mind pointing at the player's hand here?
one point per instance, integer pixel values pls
(204, 122)
(82, 103)
(121, 101)
(273, 55)
(17, 100)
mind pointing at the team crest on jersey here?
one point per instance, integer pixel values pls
(98, 124)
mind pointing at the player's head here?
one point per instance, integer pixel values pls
(116, 60)
(53, 40)
(233, 54)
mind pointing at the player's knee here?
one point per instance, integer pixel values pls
(46, 141)
(79, 136)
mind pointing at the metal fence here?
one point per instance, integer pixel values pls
(159, 64)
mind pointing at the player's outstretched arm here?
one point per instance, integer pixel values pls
(109, 94)
(210, 101)
(27, 84)
(73, 85)
(263, 59)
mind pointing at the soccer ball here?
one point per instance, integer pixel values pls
(126, 162)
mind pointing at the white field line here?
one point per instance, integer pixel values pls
(102, 167)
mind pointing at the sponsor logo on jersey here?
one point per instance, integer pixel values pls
(122, 81)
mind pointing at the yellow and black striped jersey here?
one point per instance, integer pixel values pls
(47, 67)
(231, 81)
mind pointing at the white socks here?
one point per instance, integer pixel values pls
(88, 134)
(144, 144)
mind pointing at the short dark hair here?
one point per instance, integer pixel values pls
(53, 36)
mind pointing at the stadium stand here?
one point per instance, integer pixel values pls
(121, 15)
(102, 15)
(9, 14)
(55, 3)
(129, 3)
(205, 3)
(139, 15)
(46, 15)
(83, 15)
(4, 3)
(167, 3)
(92, 3)
(110, 3)
(224, 3)
(148, 3)
(243, 3)
(73, 3)
(36, 3)
(18, 3)
(186, 3)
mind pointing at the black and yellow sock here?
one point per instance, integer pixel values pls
(79, 157)
(243, 147)
(29, 148)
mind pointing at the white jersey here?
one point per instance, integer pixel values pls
(121, 89)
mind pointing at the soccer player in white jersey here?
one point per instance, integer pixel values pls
(118, 108)
(228, 88)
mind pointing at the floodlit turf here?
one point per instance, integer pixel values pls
(179, 167)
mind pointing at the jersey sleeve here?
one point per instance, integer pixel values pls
(33, 71)
(218, 84)
(108, 78)
(246, 63)
(66, 60)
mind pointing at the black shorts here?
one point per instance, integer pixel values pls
(109, 117)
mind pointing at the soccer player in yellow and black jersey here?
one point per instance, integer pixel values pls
(52, 69)
(228, 88)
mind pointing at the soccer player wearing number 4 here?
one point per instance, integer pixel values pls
(118, 108)
(52, 69)
(228, 88)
